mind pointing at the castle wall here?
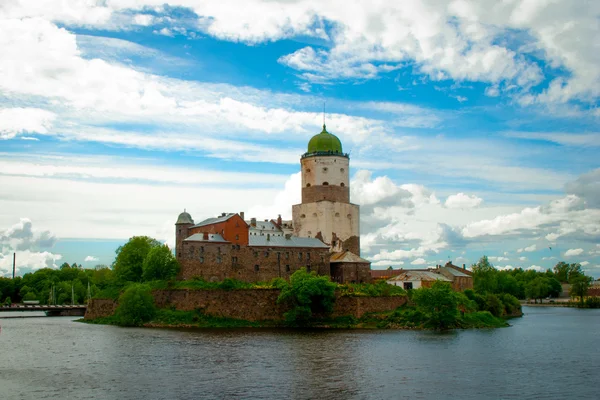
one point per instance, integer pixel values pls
(351, 272)
(332, 193)
(336, 223)
(247, 304)
(217, 261)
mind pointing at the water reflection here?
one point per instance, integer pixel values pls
(548, 354)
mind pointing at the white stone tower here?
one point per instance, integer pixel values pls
(326, 212)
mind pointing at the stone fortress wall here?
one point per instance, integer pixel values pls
(246, 304)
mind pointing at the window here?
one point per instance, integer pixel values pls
(307, 169)
(237, 237)
(219, 249)
(308, 268)
(342, 170)
(237, 246)
(201, 249)
(337, 214)
(180, 231)
(303, 216)
(308, 185)
(233, 247)
(266, 254)
(191, 251)
(325, 183)
(201, 260)
(324, 169)
(342, 184)
(256, 267)
(408, 285)
(287, 268)
(307, 256)
(234, 260)
(287, 255)
(219, 259)
(300, 256)
(256, 254)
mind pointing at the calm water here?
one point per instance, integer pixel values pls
(551, 353)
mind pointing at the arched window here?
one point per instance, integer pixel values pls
(324, 169)
(308, 185)
(342, 184)
(325, 183)
(342, 170)
(303, 216)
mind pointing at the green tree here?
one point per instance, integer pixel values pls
(537, 288)
(439, 305)
(29, 296)
(307, 294)
(579, 287)
(7, 301)
(485, 276)
(494, 305)
(564, 272)
(136, 306)
(160, 264)
(128, 265)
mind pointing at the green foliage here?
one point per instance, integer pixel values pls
(128, 265)
(159, 264)
(480, 319)
(579, 286)
(136, 306)
(511, 304)
(307, 294)
(7, 301)
(564, 272)
(29, 296)
(537, 288)
(439, 304)
(494, 305)
(378, 289)
(592, 302)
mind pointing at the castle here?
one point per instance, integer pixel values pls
(323, 236)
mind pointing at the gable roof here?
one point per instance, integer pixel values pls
(283, 241)
(347, 257)
(211, 221)
(212, 237)
(419, 275)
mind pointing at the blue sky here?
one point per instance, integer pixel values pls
(472, 126)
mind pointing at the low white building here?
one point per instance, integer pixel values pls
(416, 278)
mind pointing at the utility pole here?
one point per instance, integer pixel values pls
(72, 295)
(14, 263)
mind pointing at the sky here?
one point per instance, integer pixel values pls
(472, 126)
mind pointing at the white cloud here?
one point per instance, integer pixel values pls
(419, 261)
(91, 259)
(584, 263)
(28, 259)
(536, 268)
(461, 200)
(522, 258)
(566, 138)
(23, 236)
(499, 259)
(14, 121)
(573, 252)
(531, 248)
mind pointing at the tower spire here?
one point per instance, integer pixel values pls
(324, 116)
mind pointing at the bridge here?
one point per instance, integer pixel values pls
(50, 310)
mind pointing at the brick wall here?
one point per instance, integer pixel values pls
(98, 308)
(250, 305)
(217, 261)
(331, 192)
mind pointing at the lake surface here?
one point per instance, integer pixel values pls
(551, 353)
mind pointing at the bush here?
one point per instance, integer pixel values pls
(7, 301)
(136, 306)
(439, 304)
(511, 304)
(379, 289)
(307, 294)
(494, 305)
(592, 302)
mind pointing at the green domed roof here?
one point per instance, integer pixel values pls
(184, 218)
(324, 142)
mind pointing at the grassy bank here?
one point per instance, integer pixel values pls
(405, 317)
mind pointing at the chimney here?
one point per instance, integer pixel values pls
(279, 220)
(223, 214)
(205, 235)
(464, 266)
(268, 236)
(253, 222)
(242, 215)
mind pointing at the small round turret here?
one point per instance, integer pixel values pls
(184, 218)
